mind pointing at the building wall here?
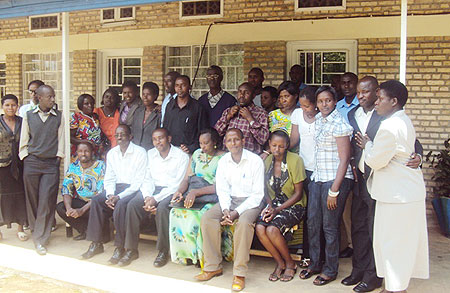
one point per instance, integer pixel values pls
(84, 74)
(14, 75)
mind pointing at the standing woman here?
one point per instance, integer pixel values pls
(12, 195)
(331, 181)
(109, 115)
(400, 241)
(287, 102)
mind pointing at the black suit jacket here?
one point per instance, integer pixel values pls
(142, 132)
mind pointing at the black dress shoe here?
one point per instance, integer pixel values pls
(351, 280)
(348, 252)
(40, 249)
(117, 255)
(161, 259)
(81, 236)
(94, 249)
(128, 257)
(364, 287)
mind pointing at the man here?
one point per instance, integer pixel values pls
(349, 80)
(124, 175)
(240, 188)
(41, 148)
(216, 100)
(169, 85)
(32, 87)
(336, 84)
(365, 120)
(83, 180)
(248, 118)
(256, 78)
(131, 101)
(166, 168)
(297, 75)
(185, 117)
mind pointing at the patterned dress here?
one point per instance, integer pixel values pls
(87, 128)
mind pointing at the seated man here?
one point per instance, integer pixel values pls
(123, 178)
(83, 180)
(165, 171)
(240, 188)
(248, 118)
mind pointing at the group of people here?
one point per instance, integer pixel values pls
(210, 172)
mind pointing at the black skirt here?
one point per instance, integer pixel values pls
(12, 199)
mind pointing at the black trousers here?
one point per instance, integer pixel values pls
(41, 180)
(100, 214)
(80, 224)
(363, 213)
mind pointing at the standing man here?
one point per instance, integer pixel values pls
(131, 101)
(185, 117)
(41, 148)
(349, 80)
(216, 100)
(240, 188)
(33, 104)
(169, 85)
(256, 78)
(297, 75)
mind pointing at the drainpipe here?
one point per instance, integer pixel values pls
(66, 87)
(403, 35)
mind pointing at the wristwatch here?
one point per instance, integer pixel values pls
(252, 122)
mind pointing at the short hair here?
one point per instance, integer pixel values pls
(185, 77)
(351, 74)
(290, 87)
(10, 97)
(152, 87)
(173, 74)
(271, 90)
(309, 93)
(215, 137)
(281, 133)
(115, 95)
(81, 98)
(257, 70)
(36, 81)
(130, 84)
(370, 79)
(326, 88)
(237, 130)
(247, 84)
(162, 129)
(42, 88)
(217, 68)
(126, 127)
(86, 143)
(395, 89)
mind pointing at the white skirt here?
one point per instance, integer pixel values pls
(400, 243)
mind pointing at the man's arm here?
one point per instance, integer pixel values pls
(61, 142)
(110, 176)
(257, 194)
(138, 176)
(223, 189)
(222, 124)
(260, 128)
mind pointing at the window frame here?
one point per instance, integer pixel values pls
(180, 5)
(47, 29)
(323, 8)
(117, 19)
(3, 60)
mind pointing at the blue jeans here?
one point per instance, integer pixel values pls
(321, 218)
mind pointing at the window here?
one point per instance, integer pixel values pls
(44, 23)
(119, 14)
(121, 69)
(304, 5)
(2, 79)
(201, 9)
(46, 67)
(230, 58)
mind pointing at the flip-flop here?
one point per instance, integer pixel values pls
(286, 278)
(22, 236)
(274, 276)
(320, 281)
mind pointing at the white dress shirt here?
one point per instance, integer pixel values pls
(27, 107)
(128, 168)
(165, 172)
(245, 179)
(362, 119)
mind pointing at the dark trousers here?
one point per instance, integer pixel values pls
(41, 180)
(321, 218)
(305, 221)
(100, 213)
(363, 213)
(80, 224)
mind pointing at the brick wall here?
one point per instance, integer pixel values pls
(428, 82)
(14, 78)
(153, 66)
(84, 74)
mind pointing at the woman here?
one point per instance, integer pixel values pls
(286, 203)
(400, 241)
(185, 236)
(331, 182)
(269, 96)
(287, 102)
(108, 115)
(12, 195)
(147, 117)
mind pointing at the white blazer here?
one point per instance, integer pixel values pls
(391, 181)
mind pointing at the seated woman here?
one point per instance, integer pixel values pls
(185, 236)
(84, 125)
(109, 116)
(286, 203)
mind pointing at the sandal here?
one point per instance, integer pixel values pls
(238, 284)
(276, 275)
(22, 236)
(304, 263)
(320, 281)
(306, 274)
(285, 277)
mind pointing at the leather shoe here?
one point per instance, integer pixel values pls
(117, 255)
(128, 257)
(161, 259)
(40, 249)
(364, 287)
(206, 276)
(347, 252)
(350, 281)
(94, 249)
(81, 236)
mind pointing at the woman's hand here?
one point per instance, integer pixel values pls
(270, 214)
(190, 198)
(176, 197)
(331, 203)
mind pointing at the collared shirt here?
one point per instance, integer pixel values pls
(326, 151)
(28, 107)
(257, 100)
(25, 133)
(244, 179)
(128, 168)
(165, 172)
(84, 183)
(166, 101)
(344, 108)
(256, 135)
(362, 119)
(213, 100)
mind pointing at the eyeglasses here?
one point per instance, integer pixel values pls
(212, 76)
(31, 92)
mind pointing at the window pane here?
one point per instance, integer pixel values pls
(334, 67)
(108, 13)
(334, 56)
(132, 61)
